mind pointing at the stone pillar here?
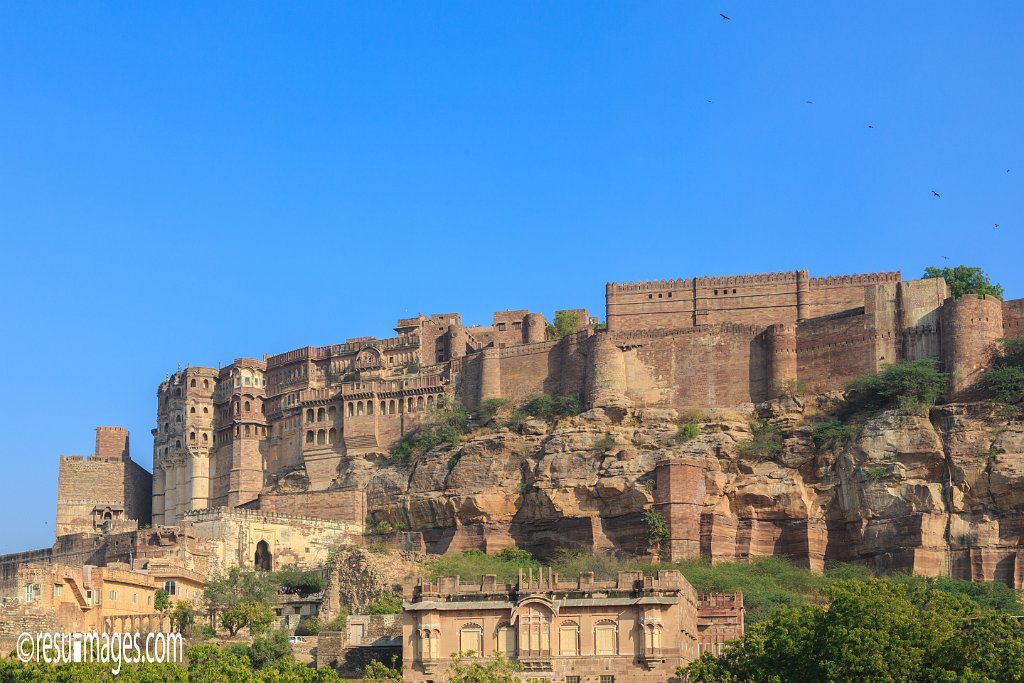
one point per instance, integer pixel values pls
(803, 295)
(183, 490)
(158, 494)
(170, 493)
(606, 373)
(200, 489)
(490, 374)
(969, 329)
(781, 356)
(679, 496)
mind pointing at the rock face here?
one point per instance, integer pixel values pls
(940, 494)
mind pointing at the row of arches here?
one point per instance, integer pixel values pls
(533, 638)
(206, 384)
(321, 437)
(321, 414)
(393, 406)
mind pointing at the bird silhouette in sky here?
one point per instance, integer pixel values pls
(723, 16)
(870, 126)
(997, 225)
(936, 193)
(808, 102)
(946, 257)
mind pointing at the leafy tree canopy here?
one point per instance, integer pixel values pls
(966, 280)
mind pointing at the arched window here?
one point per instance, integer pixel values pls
(429, 643)
(606, 640)
(237, 408)
(419, 403)
(369, 407)
(192, 410)
(360, 410)
(192, 436)
(263, 560)
(177, 392)
(177, 418)
(430, 402)
(321, 437)
(248, 407)
(383, 408)
(350, 410)
(206, 411)
(309, 415)
(409, 406)
(332, 412)
(391, 407)
(309, 436)
(177, 443)
(332, 434)
(569, 639)
(247, 431)
(535, 632)
(320, 414)
(471, 640)
(206, 438)
(206, 384)
(193, 383)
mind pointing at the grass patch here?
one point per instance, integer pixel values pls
(875, 473)
(443, 426)
(605, 443)
(688, 432)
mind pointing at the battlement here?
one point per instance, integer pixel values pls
(245, 514)
(856, 279)
(748, 279)
(643, 286)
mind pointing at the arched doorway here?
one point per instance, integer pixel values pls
(264, 560)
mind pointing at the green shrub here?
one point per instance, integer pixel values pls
(1004, 381)
(454, 460)
(389, 603)
(524, 488)
(383, 526)
(833, 434)
(516, 420)
(444, 426)
(913, 386)
(688, 432)
(309, 626)
(657, 527)
(514, 554)
(488, 408)
(551, 408)
(875, 473)
(605, 443)
(338, 623)
(764, 443)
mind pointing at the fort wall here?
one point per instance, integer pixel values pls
(971, 326)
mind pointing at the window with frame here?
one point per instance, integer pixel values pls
(572, 679)
(471, 640)
(171, 587)
(607, 679)
(506, 640)
(57, 590)
(605, 638)
(569, 639)
(112, 595)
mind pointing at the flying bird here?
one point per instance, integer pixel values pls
(936, 193)
(723, 16)
(997, 225)
(808, 102)
(946, 257)
(870, 126)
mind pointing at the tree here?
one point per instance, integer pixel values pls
(183, 616)
(657, 528)
(238, 591)
(965, 280)
(256, 616)
(378, 672)
(912, 385)
(566, 322)
(161, 600)
(295, 580)
(388, 603)
(498, 670)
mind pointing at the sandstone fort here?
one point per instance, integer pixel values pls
(276, 461)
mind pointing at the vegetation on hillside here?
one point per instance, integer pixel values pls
(242, 599)
(875, 630)
(912, 386)
(965, 280)
(444, 425)
(765, 442)
(1004, 380)
(299, 581)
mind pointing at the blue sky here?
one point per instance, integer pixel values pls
(194, 182)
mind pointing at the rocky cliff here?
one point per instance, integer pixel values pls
(937, 494)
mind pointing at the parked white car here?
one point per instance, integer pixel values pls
(296, 639)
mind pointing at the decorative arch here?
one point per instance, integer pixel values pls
(263, 559)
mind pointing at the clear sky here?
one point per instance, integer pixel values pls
(195, 182)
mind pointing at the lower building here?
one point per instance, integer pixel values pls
(637, 629)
